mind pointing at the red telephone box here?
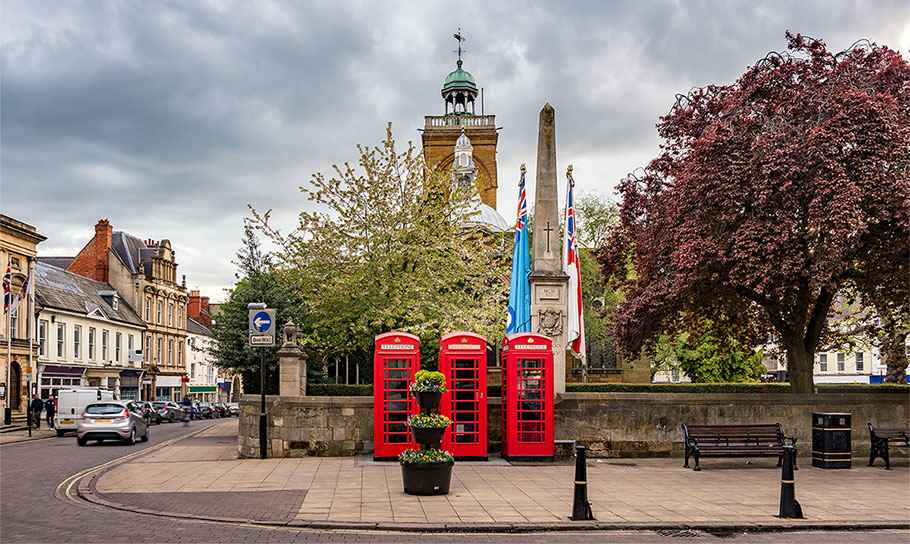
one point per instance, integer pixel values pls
(396, 358)
(463, 360)
(527, 396)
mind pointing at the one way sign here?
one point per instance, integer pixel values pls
(262, 328)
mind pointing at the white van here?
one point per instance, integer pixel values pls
(72, 402)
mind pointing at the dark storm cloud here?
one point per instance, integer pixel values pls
(170, 118)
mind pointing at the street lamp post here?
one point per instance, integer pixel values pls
(263, 415)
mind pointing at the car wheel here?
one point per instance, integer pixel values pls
(81, 441)
(132, 439)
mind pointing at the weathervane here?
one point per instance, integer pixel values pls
(460, 37)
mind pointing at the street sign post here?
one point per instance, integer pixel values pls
(262, 334)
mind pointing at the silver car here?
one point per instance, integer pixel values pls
(111, 420)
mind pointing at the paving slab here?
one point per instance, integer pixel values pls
(191, 473)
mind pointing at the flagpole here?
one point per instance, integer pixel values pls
(9, 344)
(30, 303)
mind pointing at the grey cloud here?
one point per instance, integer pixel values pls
(170, 118)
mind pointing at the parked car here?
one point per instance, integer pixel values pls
(112, 420)
(168, 411)
(144, 408)
(233, 408)
(72, 402)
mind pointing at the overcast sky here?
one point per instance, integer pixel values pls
(169, 118)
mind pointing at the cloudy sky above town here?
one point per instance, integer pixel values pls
(169, 118)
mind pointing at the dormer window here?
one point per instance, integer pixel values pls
(115, 303)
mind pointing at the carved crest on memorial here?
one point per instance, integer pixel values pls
(550, 322)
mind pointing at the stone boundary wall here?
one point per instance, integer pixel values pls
(610, 424)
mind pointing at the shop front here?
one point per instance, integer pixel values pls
(204, 393)
(104, 378)
(53, 378)
(129, 384)
(168, 387)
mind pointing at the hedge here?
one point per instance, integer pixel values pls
(366, 390)
(774, 387)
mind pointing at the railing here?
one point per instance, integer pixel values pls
(459, 120)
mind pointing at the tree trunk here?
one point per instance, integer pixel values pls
(800, 363)
(894, 356)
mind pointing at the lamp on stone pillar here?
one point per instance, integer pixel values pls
(292, 364)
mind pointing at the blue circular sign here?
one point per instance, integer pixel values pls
(262, 322)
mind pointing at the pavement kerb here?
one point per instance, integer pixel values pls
(86, 489)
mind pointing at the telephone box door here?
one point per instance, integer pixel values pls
(463, 360)
(396, 358)
(528, 423)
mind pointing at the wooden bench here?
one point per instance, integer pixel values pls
(881, 438)
(733, 441)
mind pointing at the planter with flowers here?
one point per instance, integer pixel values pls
(427, 471)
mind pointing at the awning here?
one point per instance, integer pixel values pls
(202, 389)
(167, 381)
(62, 370)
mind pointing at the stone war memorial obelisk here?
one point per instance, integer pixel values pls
(548, 281)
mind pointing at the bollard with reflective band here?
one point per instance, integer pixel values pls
(581, 508)
(789, 506)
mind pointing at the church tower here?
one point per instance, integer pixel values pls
(440, 133)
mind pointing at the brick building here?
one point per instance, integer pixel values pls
(144, 272)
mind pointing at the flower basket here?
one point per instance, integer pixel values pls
(427, 478)
(428, 401)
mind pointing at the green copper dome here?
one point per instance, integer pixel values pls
(459, 80)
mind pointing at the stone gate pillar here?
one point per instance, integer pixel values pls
(292, 365)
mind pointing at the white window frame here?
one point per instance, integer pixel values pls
(77, 341)
(92, 337)
(841, 362)
(118, 346)
(61, 340)
(823, 362)
(105, 343)
(42, 337)
(860, 361)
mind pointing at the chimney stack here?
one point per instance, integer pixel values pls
(104, 238)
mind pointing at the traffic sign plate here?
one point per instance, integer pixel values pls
(262, 327)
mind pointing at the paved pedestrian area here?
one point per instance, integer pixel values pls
(23, 435)
(191, 475)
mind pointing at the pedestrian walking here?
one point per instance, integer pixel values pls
(36, 406)
(187, 410)
(50, 409)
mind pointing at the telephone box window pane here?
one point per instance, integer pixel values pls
(396, 363)
(396, 395)
(400, 374)
(396, 385)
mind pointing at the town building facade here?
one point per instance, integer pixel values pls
(144, 272)
(18, 349)
(200, 361)
(87, 335)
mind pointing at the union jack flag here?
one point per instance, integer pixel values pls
(522, 216)
(572, 268)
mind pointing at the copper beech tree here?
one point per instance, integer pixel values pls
(768, 197)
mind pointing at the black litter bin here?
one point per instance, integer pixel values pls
(832, 445)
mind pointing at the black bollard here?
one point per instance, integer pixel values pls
(789, 506)
(581, 508)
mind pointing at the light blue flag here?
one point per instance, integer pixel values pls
(519, 318)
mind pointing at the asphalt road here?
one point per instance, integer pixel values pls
(30, 512)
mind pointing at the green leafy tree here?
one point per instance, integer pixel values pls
(709, 355)
(388, 249)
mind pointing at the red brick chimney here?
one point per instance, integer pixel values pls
(91, 262)
(198, 308)
(104, 237)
